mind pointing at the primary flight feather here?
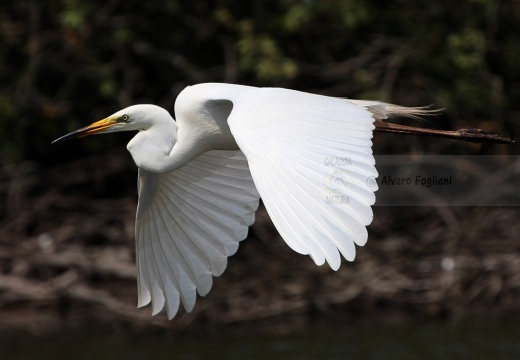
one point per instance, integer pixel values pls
(201, 176)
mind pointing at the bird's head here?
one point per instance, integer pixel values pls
(136, 117)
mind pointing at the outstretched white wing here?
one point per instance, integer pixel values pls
(311, 160)
(188, 222)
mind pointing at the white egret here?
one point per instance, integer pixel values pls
(200, 179)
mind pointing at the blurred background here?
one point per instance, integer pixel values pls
(429, 275)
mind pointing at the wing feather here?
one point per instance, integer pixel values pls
(188, 222)
(311, 158)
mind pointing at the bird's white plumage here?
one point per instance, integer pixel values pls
(308, 156)
(188, 222)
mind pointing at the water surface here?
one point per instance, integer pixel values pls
(477, 338)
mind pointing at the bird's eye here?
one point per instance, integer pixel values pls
(125, 117)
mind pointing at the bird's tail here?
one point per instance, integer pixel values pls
(381, 110)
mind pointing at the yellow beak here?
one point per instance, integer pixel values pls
(92, 129)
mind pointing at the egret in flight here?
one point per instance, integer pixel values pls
(309, 158)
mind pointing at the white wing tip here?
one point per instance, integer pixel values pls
(157, 300)
(335, 265)
(143, 298)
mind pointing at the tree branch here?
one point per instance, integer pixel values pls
(471, 135)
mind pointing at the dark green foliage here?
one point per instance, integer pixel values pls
(65, 63)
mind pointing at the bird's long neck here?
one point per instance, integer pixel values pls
(167, 145)
(152, 147)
